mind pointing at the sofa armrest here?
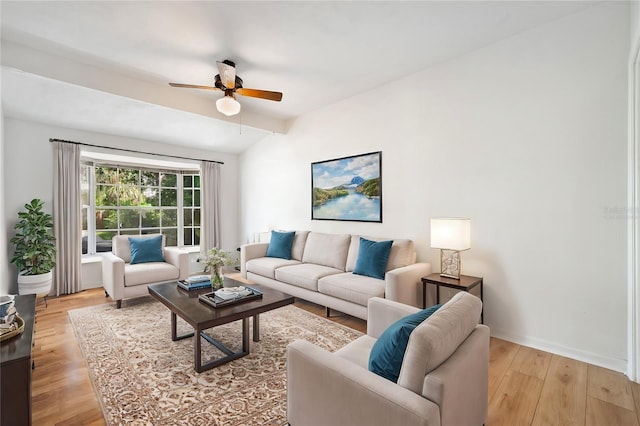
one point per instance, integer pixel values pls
(324, 389)
(179, 258)
(381, 313)
(404, 284)
(113, 275)
(251, 251)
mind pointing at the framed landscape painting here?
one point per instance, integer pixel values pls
(348, 188)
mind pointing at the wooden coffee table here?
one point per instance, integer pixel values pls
(201, 316)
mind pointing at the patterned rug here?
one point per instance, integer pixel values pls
(141, 377)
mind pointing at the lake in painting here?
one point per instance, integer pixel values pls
(347, 188)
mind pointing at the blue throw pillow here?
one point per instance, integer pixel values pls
(280, 244)
(145, 250)
(387, 353)
(372, 258)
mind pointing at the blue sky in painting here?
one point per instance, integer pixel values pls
(340, 172)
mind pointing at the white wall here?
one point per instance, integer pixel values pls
(28, 166)
(527, 137)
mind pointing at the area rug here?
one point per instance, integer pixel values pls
(141, 377)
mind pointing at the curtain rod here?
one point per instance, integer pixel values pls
(133, 150)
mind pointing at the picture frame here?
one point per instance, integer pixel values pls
(347, 188)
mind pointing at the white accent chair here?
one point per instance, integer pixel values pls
(122, 280)
(444, 377)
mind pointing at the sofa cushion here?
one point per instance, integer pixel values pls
(433, 341)
(280, 244)
(297, 250)
(304, 275)
(147, 273)
(372, 258)
(121, 248)
(266, 266)
(402, 253)
(353, 288)
(387, 353)
(327, 249)
(144, 250)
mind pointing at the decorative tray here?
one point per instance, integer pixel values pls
(16, 329)
(212, 299)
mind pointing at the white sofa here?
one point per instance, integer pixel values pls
(443, 379)
(122, 280)
(320, 271)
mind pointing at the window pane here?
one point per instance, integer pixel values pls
(196, 197)
(196, 181)
(188, 240)
(129, 232)
(85, 224)
(150, 178)
(106, 219)
(151, 231)
(128, 176)
(187, 181)
(106, 195)
(150, 217)
(106, 175)
(171, 236)
(196, 217)
(196, 238)
(168, 197)
(168, 179)
(151, 197)
(187, 216)
(169, 217)
(84, 185)
(130, 195)
(105, 236)
(129, 218)
(187, 197)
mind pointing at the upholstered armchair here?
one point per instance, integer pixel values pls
(124, 277)
(443, 377)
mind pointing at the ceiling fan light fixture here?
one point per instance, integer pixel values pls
(228, 106)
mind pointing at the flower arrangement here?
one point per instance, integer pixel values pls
(213, 261)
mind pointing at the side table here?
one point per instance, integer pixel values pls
(465, 283)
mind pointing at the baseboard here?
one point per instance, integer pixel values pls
(615, 364)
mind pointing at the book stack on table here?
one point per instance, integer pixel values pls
(196, 282)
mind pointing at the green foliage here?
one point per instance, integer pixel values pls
(215, 258)
(35, 251)
(321, 196)
(370, 188)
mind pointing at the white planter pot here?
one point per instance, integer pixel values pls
(35, 284)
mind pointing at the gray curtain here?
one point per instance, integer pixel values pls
(67, 218)
(210, 205)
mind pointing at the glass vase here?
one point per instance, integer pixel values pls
(217, 278)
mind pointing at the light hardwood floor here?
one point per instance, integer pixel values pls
(526, 386)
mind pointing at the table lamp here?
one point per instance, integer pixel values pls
(450, 235)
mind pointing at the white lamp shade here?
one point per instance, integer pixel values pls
(228, 106)
(451, 233)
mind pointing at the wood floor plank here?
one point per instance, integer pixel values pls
(601, 413)
(610, 386)
(532, 362)
(564, 394)
(501, 355)
(635, 390)
(515, 400)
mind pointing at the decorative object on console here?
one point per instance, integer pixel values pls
(35, 253)
(214, 260)
(348, 188)
(451, 236)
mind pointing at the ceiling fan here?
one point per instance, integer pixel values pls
(228, 82)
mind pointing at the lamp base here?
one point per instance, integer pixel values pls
(450, 264)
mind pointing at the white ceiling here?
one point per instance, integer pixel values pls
(104, 65)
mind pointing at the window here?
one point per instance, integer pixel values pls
(124, 200)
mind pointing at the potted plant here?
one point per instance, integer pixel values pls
(214, 260)
(35, 253)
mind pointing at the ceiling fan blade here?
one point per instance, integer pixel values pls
(227, 74)
(192, 86)
(262, 94)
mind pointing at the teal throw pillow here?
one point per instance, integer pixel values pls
(280, 244)
(388, 351)
(145, 250)
(372, 258)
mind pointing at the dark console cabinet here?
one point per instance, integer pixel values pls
(15, 371)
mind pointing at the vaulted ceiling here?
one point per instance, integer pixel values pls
(104, 65)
